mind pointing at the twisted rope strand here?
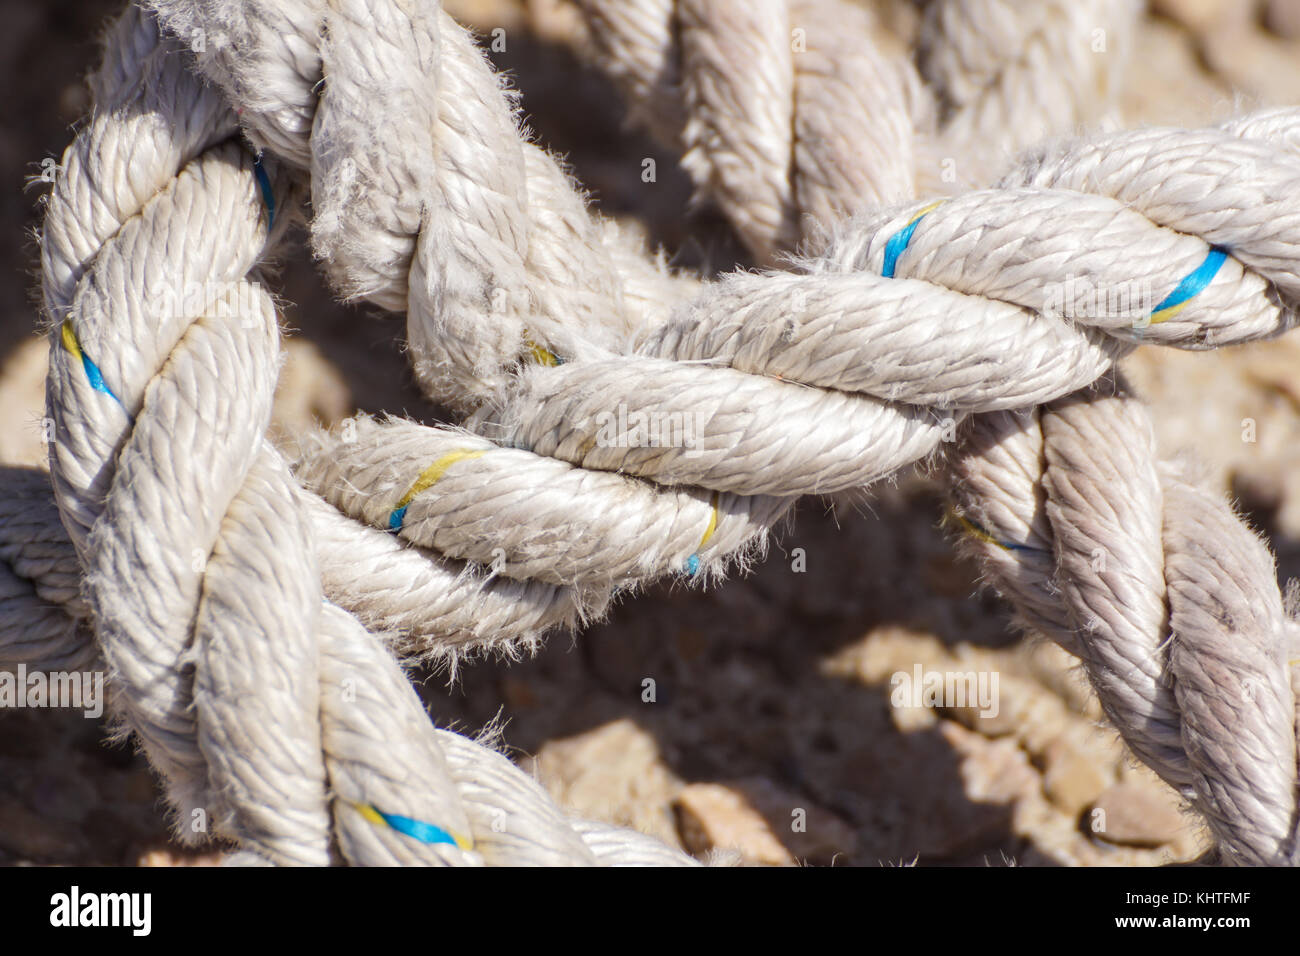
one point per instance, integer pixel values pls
(1186, 644)
(289, 747)
(553, 411)
(790, 116)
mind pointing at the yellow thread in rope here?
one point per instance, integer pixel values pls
(370, 813)
(68, 335)
(70, 339)
(713, 523)
(539, 354)
(975, 530)
(428, 478)
(693, 562)
(927, 210)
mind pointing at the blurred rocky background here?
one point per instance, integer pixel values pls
(772, 730)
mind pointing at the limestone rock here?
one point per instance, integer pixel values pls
(988, 724)
(993, 771)
(711, 816)
(1072, 779)
(613, 773)
(310, 392)
(22, 396)
(1131, 814)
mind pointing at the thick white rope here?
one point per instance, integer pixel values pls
(1004, 74)
(193, 561)
(425, 197)
(1184, 641)
(779, 107)
(545, 409)
(768, 437)
(999, 71)
(789, 116)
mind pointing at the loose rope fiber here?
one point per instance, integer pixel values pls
(914, 319)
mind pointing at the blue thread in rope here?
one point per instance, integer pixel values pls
(899, 241)
(1193, 284)
(268, 197)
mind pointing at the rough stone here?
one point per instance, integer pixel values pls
(613, 773)
(993, 771)
(1131, 814)
(711, 816)
(1072, 779)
